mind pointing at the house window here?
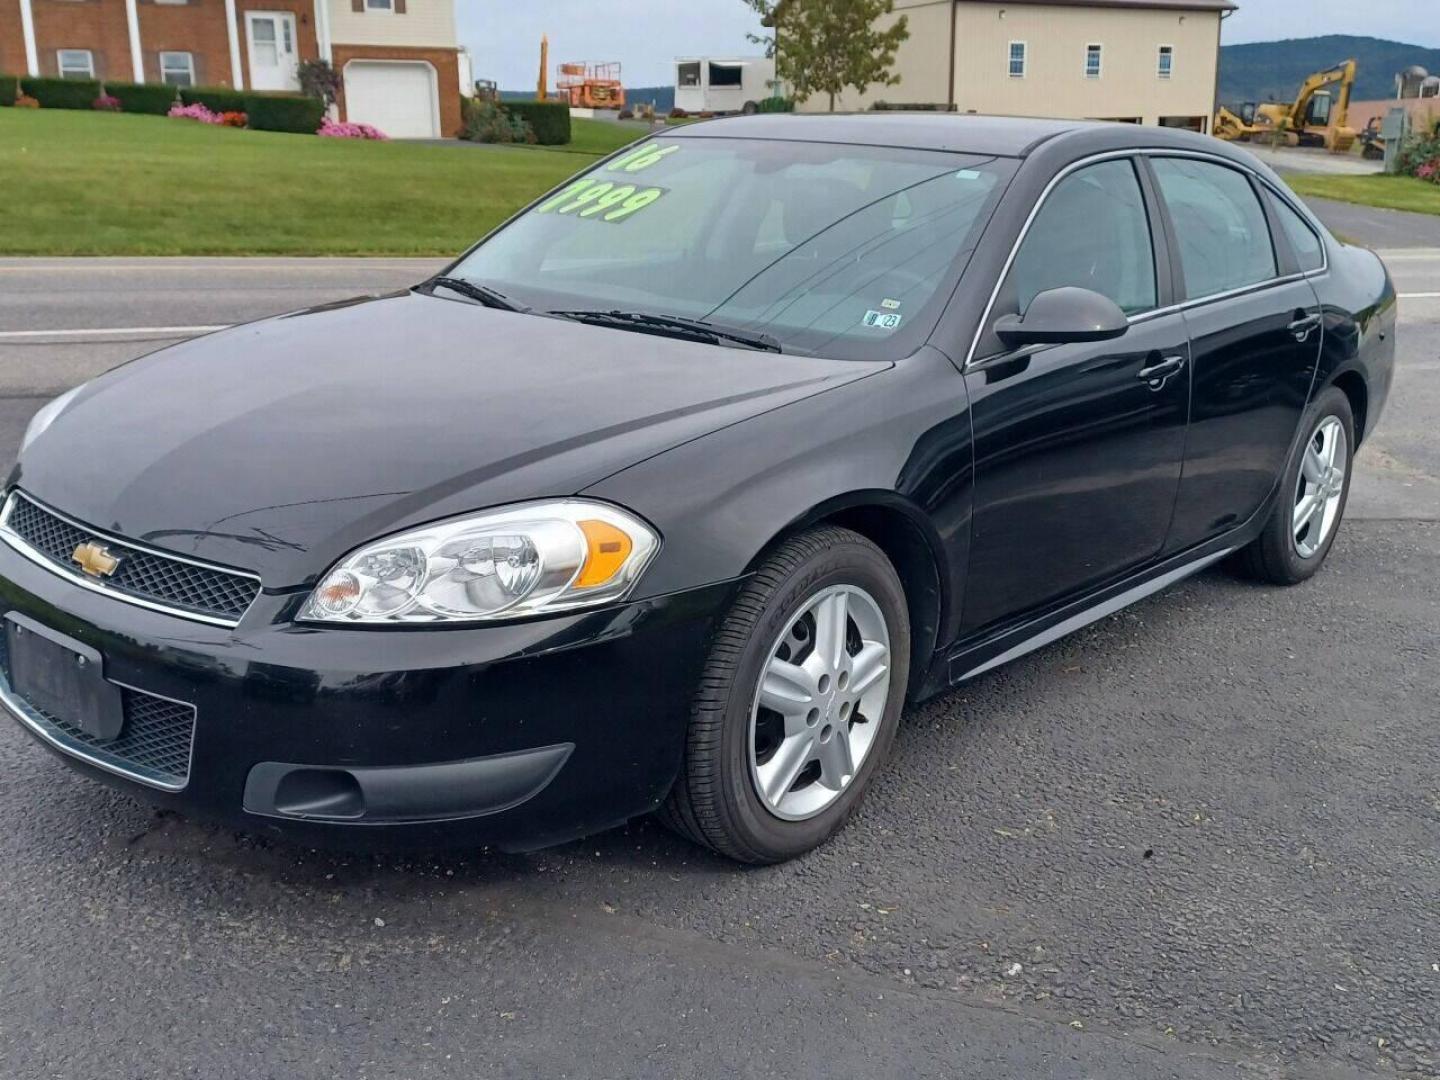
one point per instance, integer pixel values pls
(689, 74)
(379, 5)
(76, 63)
(1017, 59)
(1092, 61)
(177, 68)
(1167, 61)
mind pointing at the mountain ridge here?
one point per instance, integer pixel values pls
(1274, 70)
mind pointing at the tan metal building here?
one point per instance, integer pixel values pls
(1142, 61)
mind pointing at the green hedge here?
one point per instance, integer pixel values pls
(267, 112)
(284, 112)
(153, 98)
(550, 120)
(9, 88)
(219, 99)
(62, 93)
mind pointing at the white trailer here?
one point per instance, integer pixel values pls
(723, 84)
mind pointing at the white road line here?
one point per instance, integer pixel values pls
(260, 268)
(1419, 295)
(174, 331)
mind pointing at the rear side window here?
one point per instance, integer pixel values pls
(1092, 233)
(1308, 250)
(1224, 238)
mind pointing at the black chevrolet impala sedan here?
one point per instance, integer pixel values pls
(672, 491)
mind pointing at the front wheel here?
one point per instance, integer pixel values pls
(798, 703)
(1313, 493)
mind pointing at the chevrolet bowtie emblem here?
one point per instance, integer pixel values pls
(94, 559)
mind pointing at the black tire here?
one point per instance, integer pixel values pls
(1272, 557)
(714, 801)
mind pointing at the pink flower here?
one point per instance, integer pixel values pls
(334, 129)
(195, 112)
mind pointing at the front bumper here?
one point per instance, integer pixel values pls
(514, 735)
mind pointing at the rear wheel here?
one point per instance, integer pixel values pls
(799, 701)
(1314, 490)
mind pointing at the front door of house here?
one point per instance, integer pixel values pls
(273, 59)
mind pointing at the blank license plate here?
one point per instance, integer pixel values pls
(62, 677)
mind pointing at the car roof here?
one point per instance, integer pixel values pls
(966, 133)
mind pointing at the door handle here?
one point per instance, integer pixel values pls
(1302, 326)
(1158, 373)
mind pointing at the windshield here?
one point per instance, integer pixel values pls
(843, 251)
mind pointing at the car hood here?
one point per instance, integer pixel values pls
(278, 446)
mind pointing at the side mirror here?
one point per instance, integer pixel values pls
(1062, 317)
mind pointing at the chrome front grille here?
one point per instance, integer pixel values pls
(150, 578)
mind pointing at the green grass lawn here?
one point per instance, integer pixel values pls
(600, 136)
(82, 183)
(1389, 192)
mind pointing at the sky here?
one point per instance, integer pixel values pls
(646, 35)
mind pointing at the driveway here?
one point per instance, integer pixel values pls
(1310, 159)
(1195, 840)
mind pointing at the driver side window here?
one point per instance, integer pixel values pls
(1092, 233)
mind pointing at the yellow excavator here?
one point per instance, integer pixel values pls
(1317, 117)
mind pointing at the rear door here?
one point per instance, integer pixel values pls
(1078, 447)
(1255, 329)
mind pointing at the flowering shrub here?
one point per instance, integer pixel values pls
(1420, 157)
(234, 119)
(25, 101)
(333, 129)
(194, 112)
(106, 103)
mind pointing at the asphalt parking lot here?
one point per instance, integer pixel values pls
(1195, 840)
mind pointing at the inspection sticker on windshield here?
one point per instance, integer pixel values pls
(882, 320)
(601, 200)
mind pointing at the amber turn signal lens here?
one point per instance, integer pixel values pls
(606, 549)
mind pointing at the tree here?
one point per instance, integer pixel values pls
(829, 46)
(319, 80)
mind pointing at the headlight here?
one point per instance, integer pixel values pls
(46, 416)
(524, 560)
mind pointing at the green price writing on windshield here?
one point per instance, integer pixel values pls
(642, 159)
(602, 200)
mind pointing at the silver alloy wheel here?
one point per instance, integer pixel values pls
(1320, 485)
(820, 702)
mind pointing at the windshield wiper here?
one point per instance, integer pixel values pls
(475, 291)
(674, 326)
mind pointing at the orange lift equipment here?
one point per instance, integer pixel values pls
(591, 86)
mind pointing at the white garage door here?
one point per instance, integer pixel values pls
(398, 97)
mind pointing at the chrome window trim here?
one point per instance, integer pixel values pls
(21, 710)
(39, 558)
(1184, 305)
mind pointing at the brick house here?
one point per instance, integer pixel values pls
(399, 58)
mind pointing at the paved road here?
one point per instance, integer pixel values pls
(1384, 229)
(1195, 840)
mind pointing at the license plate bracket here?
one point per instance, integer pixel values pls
(60, 676)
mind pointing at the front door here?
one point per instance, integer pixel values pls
(1078, 448)
(274, 64)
